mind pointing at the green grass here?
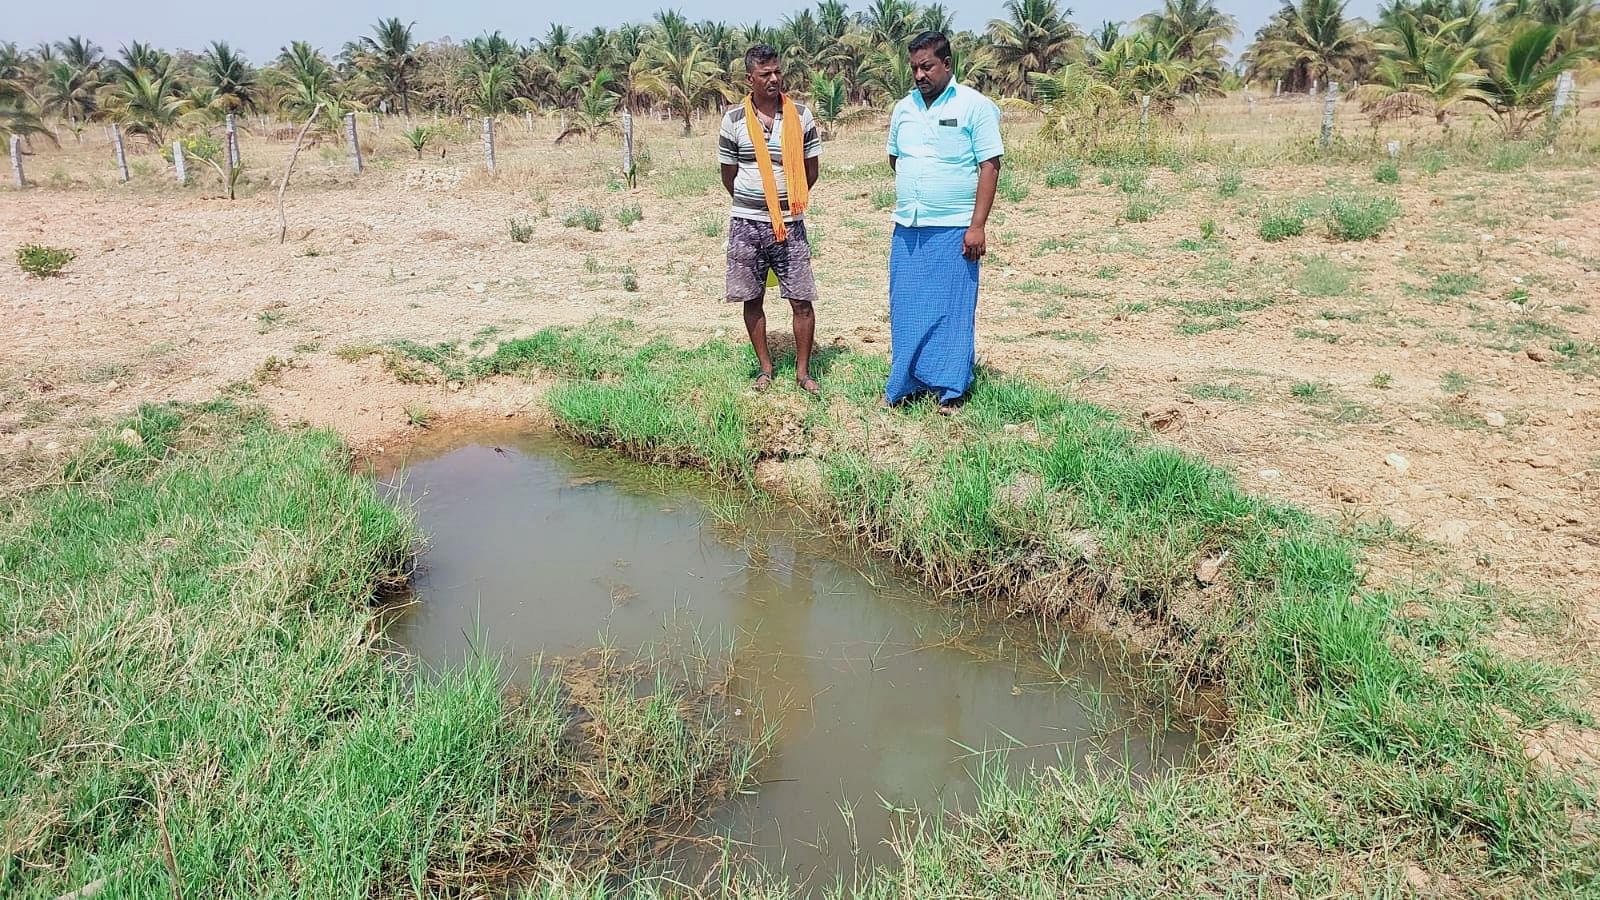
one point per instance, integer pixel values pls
(1011, 187)
(1322, 277)
(1359, 217)
(1064, 174)
(1228, 182)
(585, 217)
(1141, 208)
(883, 198)
(627, 214)
(1366, 733)
(191, 663)
(521, 229)
(1280, 223)
(1386, 173)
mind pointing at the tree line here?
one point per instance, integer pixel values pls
(1422, 57)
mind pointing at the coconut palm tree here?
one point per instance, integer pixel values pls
(596, 110)
(1311, 40)
(136, 56)
(69, 93)
(1424, 68)
(389, 59)
(1193, 28)
(304, 80)
(685, 82)
(80, 53)
(234, 80)
(830, 104)
(145, 103)
(673, 32)
(890, 24)
(19, 115)
(1105, 37)
(1521, 77)
(492, 91)
(1036, 36)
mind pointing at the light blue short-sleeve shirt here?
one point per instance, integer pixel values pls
(938, 147)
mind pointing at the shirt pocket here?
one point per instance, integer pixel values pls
(953, 143)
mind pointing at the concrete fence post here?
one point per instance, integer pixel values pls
(1394, 149)
(16, 161)
(1328, 103)
(1277, 88)
(355, 146)
(1250, 103)
(122, 155)
(233, 143)
(488, 143)
(527, 119)
(179, 163)
(627, 146)
(1558, 105)
(1144, 115)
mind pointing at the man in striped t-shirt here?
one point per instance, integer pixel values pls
(759, 184)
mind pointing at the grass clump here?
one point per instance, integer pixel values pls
(883, 198)
(1280, 223)
(1141, 209)
(585, 217)
(626, 215)
(1228, 182)
(521, 230)
(197, 708)
(1386, 173)
(1360, 217)
(1011, 188)
(1064, 174)
(43, 262)
(1322, 277)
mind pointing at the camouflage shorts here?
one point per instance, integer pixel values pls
(753, 252)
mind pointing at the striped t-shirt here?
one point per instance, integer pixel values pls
(734, 149)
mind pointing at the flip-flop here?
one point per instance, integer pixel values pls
(809, 385)
(762, 382)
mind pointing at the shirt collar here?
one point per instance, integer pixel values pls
(949, 90)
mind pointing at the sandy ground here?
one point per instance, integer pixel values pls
(1439, 400)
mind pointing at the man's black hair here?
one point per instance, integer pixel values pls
(931, 40)
(760, 53)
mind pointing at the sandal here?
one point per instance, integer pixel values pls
(810, 386)
(762, 382)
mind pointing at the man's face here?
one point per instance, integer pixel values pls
(766, 79)
(932, 74)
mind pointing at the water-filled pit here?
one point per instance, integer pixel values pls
(883, 699)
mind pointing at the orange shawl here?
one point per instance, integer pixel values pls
(792, 142)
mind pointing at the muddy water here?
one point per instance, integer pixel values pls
(883, 699)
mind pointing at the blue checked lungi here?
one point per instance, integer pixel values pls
(933, 300)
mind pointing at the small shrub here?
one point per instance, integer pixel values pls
(1229, 182)
(1359, 217)
(1141, 209)
(630, 281)
(1386, 173)
(43, 262)
(419, 414)
(883, 198)
(1063, 174)
(521, 230)
(627, 215)
(1208, 230)
(711, 227)
(1307, 390)
(1011, 188)
(1511, 157)
(1280, 223)
(586, 217)
(1131, 181)
(1382, 380)
(1434, 161)
(417, 138)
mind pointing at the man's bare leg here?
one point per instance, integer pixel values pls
(805, 330)
(755, 324)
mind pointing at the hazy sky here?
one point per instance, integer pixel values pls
(260, 29)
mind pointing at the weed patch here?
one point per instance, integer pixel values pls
(1360, 217)
(43, 262)
(585, 217)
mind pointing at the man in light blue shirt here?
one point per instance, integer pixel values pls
(945, 150)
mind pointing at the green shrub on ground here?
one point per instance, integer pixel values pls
(1360, 217)
(586, 217)
(43, 262)
(1280, 223)
(1386, 173)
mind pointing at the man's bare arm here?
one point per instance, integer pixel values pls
(813, 170)
(892, 161)
(976, 243)
(729, 173)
